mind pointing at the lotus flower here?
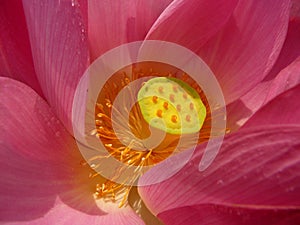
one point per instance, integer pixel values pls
(47, 45)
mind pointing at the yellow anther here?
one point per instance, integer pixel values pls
(127, 80)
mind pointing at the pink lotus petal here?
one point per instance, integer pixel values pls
(229, 215)
(40, 163)
(39, 158)
(285, 80)
(60, 52)
(192, 23)
(240, 111)
(290, 50)
(28, 125)
(33, 144)
(284, 75)
(112, 23)
(83, 9)
(284, 109)
(63, 214)
(27, 190)
(295, 9)
(15, 53)
(258, 166)
(247, 48)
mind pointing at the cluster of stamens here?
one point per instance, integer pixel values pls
(173, 105)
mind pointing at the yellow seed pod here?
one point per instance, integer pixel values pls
(171, 105)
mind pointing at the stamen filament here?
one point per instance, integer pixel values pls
(134, 128)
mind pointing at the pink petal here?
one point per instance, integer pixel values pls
(192, 23)
(112, 23)
(64, 214)
(60, 52)
(240, 111)
(244, 51)
(15, 53)
(285, 80)
(258, 166)
(229, 215)
(33, 143)
(290, 50)
(284, 109)
(295, 9)
(284, 75)
(40, 163)
(27, 190)
(28, 124)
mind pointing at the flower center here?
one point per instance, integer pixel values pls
(165, 101)
(171, 105)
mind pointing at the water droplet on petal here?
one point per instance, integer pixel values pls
(57, 134)
(220, 182)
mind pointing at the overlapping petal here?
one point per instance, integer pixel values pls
(60, 50)
(284, 109)
(15, 52)
(42, 178)
(245, 50)
(256, 173)
(258, 166)
(284, 75)
(290, 50)
(240, 111)
(33, 144)
(112, 23)
(254, 167)
(285, 80)
(204, 18)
